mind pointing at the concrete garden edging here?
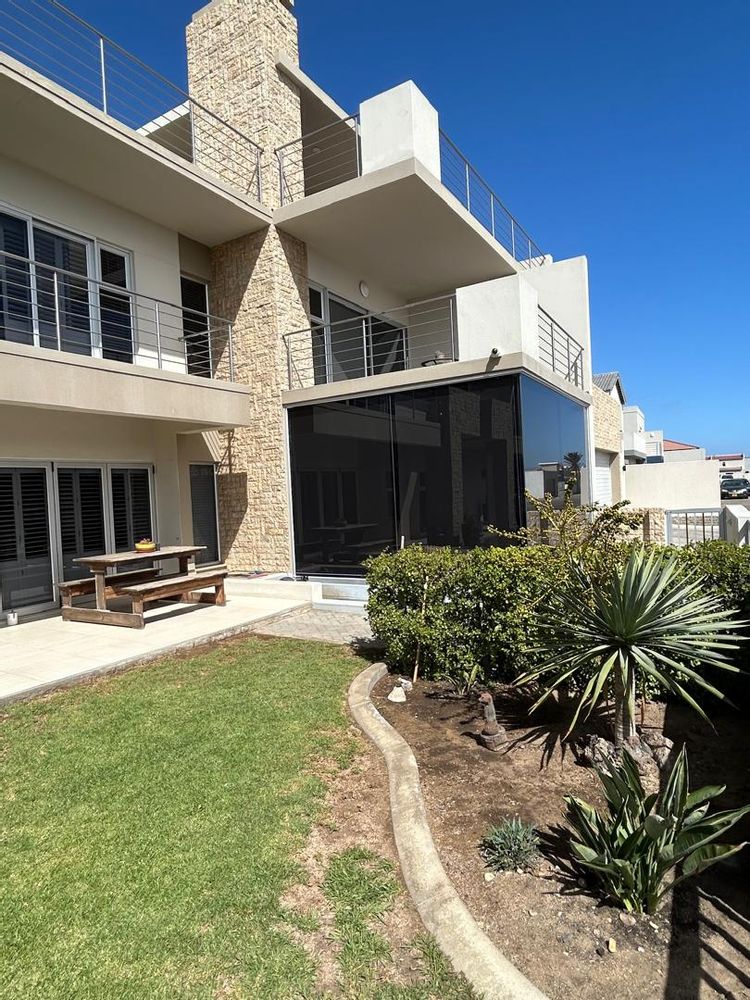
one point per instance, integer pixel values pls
(443, 913)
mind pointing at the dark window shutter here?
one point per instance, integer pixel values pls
(34, 505)
(8, 545)
(203, 500)
(131, 507)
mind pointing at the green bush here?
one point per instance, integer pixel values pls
(513, 844)
(466, 612)
(726, 568)
(632, 847)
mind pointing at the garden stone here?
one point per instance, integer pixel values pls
(397, 695)
(628, 919)
(655, 740)
(492, 736)
(661, 757)
(595, 751)
(405, 684)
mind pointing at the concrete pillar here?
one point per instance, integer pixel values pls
(398, 125)
(258, 282)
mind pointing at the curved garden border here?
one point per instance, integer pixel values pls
(443, 913)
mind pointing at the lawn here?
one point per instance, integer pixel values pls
(150, 823)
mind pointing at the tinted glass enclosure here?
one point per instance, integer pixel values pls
(434, 466)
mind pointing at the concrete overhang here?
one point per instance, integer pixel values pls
(55, 380)
(400, 227)
(418, 378)
(52, 130)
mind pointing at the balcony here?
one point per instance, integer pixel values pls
(70, 342)
(119, 129)
(427, 335)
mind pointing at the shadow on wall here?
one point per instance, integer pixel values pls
(709, 950)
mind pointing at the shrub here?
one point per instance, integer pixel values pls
(631, 848)
(463, 613)
(513, 844)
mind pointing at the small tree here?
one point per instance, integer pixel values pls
(649, 618)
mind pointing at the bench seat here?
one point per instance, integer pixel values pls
(114, 583)
(185, 587)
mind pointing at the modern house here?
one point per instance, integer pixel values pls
(241, 316)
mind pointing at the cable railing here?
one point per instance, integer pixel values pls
(463, 181)
(319, 160)
(52, 40)
(421, 334)
(49, 307)
(559, 351)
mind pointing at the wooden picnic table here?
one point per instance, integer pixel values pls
(100, 565)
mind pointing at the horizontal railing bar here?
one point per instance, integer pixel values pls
(317, 131)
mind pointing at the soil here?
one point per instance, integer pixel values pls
(553, 927)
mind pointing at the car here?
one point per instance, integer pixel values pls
(735, 489)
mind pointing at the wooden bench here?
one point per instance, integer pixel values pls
(114, 584)
(185, 587)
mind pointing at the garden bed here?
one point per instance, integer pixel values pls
(554, 929)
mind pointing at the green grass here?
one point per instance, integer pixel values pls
(150, 822)
(361, 888)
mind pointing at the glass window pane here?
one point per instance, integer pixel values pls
(115, 310)
(16, 322)
(347, 334)
(342, 484)
(554, 442)
(195, 324)
(64, 257)
(203, 503)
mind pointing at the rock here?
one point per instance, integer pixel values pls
(641, 755)
(533, 913)
(661, 757)
(489, 876)
(612, 945)
(641, 949)
(397, 695)
(405, 684)
(628, 919)
(656, 740)
(581, 883)
(594, 751)
(600, 951)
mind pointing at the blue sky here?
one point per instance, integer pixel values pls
(619, 131)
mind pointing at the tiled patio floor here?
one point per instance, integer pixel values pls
(39, 655)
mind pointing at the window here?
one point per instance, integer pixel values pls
(203, 503)
(62, 291)
(131, 507)
(349, 343)
(195, 325)
(115, 309)
(16, 322)
(25, 551)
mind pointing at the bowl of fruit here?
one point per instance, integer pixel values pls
(145, 545)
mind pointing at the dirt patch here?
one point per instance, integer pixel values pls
(357, 814)
(554, 929)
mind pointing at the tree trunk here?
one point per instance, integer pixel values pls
(624, 708)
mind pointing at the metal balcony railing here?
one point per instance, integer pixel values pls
(561, 352)
(421, 334)
(463, 181)
(52, 40)
(320, 160)
(48, 307)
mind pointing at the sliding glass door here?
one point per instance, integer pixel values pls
(80, 501)
(64, 304)
(16, 318)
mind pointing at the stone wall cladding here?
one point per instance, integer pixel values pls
(607, 421)
(258, 282)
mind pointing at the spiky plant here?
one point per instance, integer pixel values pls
(651, 619)
(510, 845)
(631, 848)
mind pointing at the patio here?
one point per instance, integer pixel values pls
(48, 652)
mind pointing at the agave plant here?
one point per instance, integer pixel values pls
(651, 619)
(632, 847)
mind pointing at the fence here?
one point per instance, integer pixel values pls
(561, 352)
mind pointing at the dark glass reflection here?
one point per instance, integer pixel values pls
(342, 484)
(433, 466)
(456, 451)
(554, 441)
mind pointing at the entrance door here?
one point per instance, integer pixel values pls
(203, 501)
(25, 549)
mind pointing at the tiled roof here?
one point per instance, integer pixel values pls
(677, 445)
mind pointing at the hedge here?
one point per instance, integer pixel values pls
(475, 610)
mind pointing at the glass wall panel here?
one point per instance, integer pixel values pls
(342, 483)
(456, 452)
(554, 441)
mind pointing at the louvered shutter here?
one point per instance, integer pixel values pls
(131, 507)
(15, 282)
(81, 505)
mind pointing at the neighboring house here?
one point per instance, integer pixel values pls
(678, 451)
(246, 318)
(733, 466)
(638, 447)
(608, 401)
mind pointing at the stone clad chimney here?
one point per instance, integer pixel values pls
(258, 281)
(232, 48)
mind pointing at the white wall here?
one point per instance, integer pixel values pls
(398, 125)
(344, 282)
(675, 486)
(686, 455)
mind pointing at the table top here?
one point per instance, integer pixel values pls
(123, 558)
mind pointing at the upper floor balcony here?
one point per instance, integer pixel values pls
(496, 325)
(80, 107)
(391, 171)
(68, 341)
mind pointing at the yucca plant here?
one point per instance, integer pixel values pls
(631, 848)
(651, 619)
(510, 845)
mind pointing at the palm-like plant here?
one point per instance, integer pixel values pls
(650, 619)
